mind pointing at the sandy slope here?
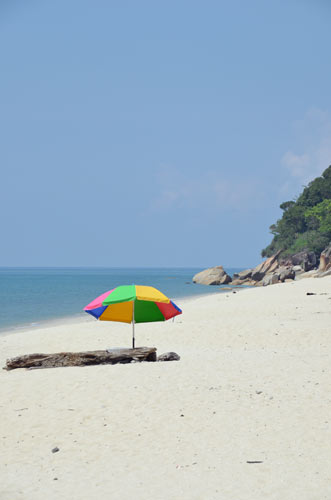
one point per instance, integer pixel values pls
(253, 384)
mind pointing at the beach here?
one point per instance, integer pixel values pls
(245, 414)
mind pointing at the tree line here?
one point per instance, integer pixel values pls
(306, 221)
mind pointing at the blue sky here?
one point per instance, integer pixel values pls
(157, 133)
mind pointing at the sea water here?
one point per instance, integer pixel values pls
(30, 296)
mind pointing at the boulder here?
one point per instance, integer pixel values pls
(258, 275)
(212, 276)
(266, 267)
(247, 273)
(325, 260)
(325, 273)
(270, 279)
(249, 282)
(305, 259)
(236, 282)
(308, 274)
(169, 356)
(246, 282)
(285, 273)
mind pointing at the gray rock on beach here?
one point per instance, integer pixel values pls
(272, 270)
(243, 275)
(326, 273)
(297, 270)
(305, 259)
(285, 273)
(270, 279)
(325, 260)
(169, 356)
(212, 276)
(268, 266)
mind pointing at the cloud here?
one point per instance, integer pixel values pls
(296, 164)
(206, 191)
(312, 135)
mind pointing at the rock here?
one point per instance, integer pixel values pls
(247, 273)
(285, 273)
(325, 259)
(258, 275)
(169, 356)
(308, 274)
(270, 271)
(297, 270)
(248, 282)
(212, 276)
(270, 279)
(266, 267)
(297, 266)
(306, 260)
(236, 282)
(55, 450)
(326, 273)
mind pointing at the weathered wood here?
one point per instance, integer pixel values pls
(60, 359)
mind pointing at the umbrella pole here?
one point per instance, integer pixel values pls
(133, 339)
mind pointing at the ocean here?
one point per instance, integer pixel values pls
(31, 296)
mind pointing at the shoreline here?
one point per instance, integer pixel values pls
(35, 296)
(244, 413)
(47, 323)
(80, 317)
(76, 319)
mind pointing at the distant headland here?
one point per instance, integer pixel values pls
(301, 244)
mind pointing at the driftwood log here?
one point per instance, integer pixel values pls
(60, 359)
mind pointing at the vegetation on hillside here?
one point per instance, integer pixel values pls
(306, 222)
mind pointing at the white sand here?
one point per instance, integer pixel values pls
(253, 384)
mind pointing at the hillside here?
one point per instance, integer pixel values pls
(306, 221)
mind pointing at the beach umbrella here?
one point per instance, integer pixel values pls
(133, 304)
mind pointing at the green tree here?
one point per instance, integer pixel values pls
(306, 222)
(321, 213)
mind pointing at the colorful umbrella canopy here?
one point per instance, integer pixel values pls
(133, 304)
